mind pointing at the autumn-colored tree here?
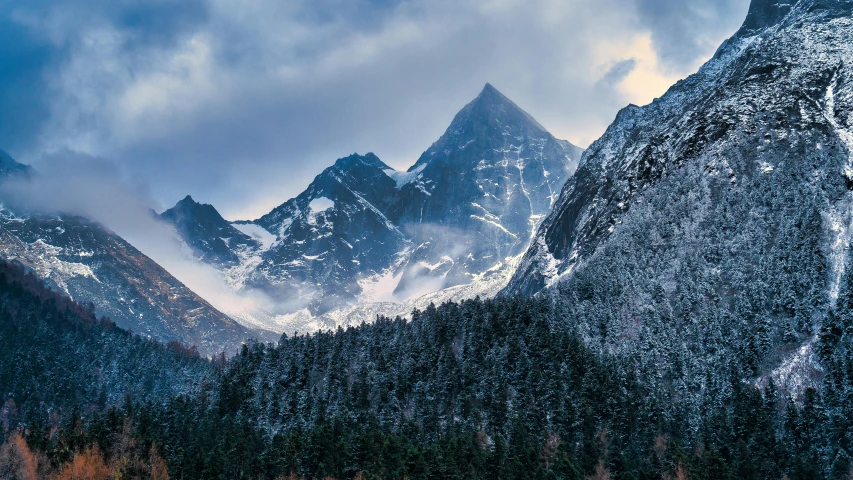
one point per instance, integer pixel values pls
(87, 465)
(18, 462)
(158, 465)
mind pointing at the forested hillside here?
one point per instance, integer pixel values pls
(483, 389)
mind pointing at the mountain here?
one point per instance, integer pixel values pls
(84, 260)
(363, 232)
(473, 200)
(712, 226)
(753, 89)
(214, 238)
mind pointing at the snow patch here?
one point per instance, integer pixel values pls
(798, 372)
(379, 288)
(257, 232)
(404, 178)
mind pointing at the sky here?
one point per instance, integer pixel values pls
(240, 103)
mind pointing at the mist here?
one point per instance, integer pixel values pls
(91, 187)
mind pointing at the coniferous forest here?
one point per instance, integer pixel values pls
(501, 388)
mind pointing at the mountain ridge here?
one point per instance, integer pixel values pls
(89, 263)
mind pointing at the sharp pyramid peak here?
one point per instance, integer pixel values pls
(491, 101)
(491, 94)
(490, 113)
(489, 89)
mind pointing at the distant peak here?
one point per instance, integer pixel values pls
(188, 200)
(188, 203)
(188, 206)
(355, 159)
(10, 167)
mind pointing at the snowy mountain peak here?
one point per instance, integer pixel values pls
(490, 118)
(771, 98)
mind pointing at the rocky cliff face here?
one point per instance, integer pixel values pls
(363, 232)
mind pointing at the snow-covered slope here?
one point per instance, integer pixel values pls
(710, 229)
(366, 238)
(784, 74)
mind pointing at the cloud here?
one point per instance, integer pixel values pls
(684, 31)
(240, 103)
(617, 73)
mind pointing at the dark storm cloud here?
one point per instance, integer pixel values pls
(241, 102)
(682, 30)
(618, 72)
(29, 54)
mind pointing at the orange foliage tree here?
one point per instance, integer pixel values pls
(87, 465)
(18, 461)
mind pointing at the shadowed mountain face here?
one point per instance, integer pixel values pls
(713, 225)
(89, 263)
(210, 235)
(463, 211)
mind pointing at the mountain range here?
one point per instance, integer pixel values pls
(363, 233)
(739, 174)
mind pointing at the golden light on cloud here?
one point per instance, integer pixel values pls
(647, 80)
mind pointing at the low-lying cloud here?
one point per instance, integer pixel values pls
(72, 183)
